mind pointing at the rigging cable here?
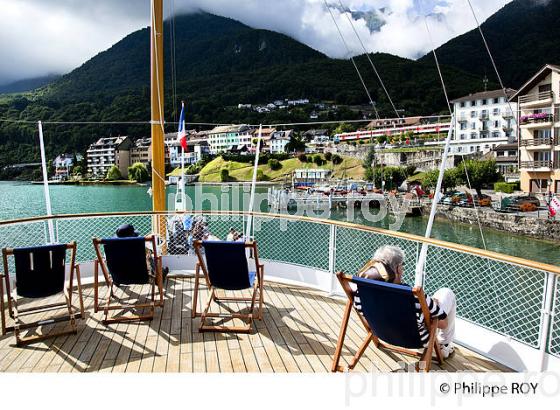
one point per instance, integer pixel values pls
(172, 53)
(369, 59)
(352, 59)
(492, 59)
(477, 210)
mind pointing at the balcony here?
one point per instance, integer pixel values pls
(507, 114)
(483, 116)
(537, 120)
(463, 118)
(536, 99)
(537, 165)
(536, 143)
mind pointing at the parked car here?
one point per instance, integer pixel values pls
(448, 198)
(522, 203)
(485, 200)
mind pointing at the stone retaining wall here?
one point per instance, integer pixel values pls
(518, 224)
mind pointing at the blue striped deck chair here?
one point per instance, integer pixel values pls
(226, 268)
(124, 263)
(388, 313)
(40, 274)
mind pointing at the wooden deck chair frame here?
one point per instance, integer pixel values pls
(201, 268)
(16, 313)
(101, 265)
(425, 356)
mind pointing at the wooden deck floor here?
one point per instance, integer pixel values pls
(298, 334)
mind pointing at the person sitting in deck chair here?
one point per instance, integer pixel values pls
(388, 265)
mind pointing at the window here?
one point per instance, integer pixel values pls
(495, 134)
(472, 149)
(463, 125)
(500, 154)
(462, 104)
(541, 156)
(512, 153)
(473, 125)
(484, 102)
(545, 87)
(496, 124)
(473, 136)
(496, 111)
(459, 149)
(538, 185)
(496, 101)
(463, 136)
(473, 114)
(541, 133)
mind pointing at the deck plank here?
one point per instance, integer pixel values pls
(298, 333)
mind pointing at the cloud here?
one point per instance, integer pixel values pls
(55, 36)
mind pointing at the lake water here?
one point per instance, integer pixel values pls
(18, 200)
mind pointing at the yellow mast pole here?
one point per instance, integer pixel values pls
(157, 98)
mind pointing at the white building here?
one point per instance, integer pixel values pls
(483, 121)
(62, 165)
(278, 141)
(230, 138)
(105, 153)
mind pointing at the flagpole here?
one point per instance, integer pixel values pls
(421, 263)
(253, 184)
(183, 196)
(46, 183)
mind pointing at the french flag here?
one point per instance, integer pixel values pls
(182, 134)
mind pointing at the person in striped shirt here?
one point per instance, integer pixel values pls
(387, 265)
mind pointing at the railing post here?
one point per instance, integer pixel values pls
(546, 315)
(332, 257)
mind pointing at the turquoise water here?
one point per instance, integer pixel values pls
(18, 200)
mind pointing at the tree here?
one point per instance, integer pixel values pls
(328, 156)
(451, 178)
(342, 128)
(480, 173)
(369, 159)
(224, 175)
(113, 174)
(410, 170)
(274, 164)
(336, 159)
(302, 158)
(318, 160)
(138, 172)
(295, 144)
(77, 170)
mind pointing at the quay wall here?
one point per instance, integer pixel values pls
(516, 223)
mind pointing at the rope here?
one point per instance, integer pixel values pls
(369, 59)
(438, 67)
(352, 59)
(215, 124)
(491, 58)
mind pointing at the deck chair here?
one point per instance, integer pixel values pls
(225, 267)
(125, 264)
(388, 314)
(40, 273)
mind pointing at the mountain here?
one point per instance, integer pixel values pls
(28, 84)
(522, 36)
(219, 63)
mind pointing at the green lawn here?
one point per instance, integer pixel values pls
(349, 168)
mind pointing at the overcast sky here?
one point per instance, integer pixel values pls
(40, 37)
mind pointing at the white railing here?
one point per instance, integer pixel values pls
(501, 294)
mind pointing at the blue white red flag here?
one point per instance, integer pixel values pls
(182, 134)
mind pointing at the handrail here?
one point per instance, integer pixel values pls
(395, 234)
(543, 95)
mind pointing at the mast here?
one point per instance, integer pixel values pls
(157, 98)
